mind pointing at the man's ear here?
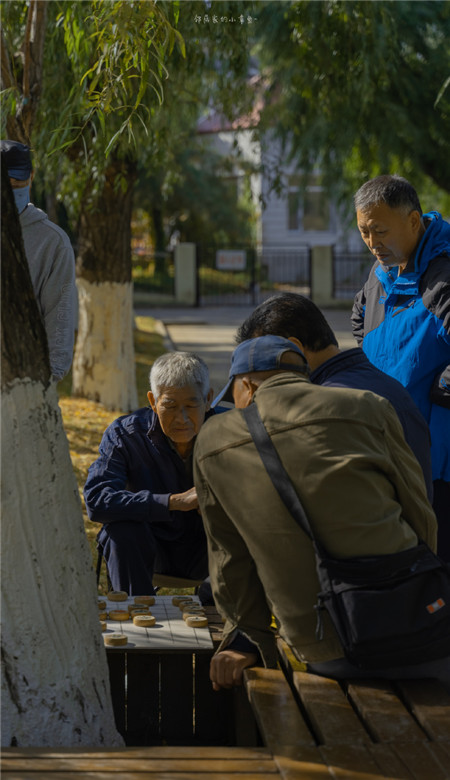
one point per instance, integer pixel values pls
(251, 388)
(151, 400)
(209, 399)
(415, 220)
(297, 342)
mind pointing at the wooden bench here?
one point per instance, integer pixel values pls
(317, 728)
(154, 763)
(282, 723)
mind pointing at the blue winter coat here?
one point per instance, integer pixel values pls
(403, 324)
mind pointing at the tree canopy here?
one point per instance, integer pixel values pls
(360, 88)
(121, 78)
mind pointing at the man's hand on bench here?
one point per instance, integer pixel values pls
(227, 667)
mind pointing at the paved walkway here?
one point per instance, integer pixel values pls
(209, 331)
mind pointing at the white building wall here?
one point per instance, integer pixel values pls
(275, 215)
(273, 232)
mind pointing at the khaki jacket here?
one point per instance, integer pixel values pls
(360, 485)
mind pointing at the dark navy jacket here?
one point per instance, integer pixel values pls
(402, 323)
(352, 368)
(135, 474)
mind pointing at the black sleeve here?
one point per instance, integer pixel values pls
(435, 290)
(357, 317)
(440, 390)
(242, 645)
(436, 298)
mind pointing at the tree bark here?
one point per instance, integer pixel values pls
(19, 127)
(103, 367)
(55, 682)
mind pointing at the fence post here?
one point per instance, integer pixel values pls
(186, 274)
(322, 275)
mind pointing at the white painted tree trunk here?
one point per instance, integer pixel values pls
(55, 682)
(103, 366)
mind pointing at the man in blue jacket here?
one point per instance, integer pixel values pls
(295, 317)
(401, 317)
(141, 487)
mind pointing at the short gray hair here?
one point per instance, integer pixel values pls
(179, 369)
(395, 191)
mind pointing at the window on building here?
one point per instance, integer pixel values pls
(294, 216)
(316, 209)
(308, 207)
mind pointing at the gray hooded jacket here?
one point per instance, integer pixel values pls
(52, 268)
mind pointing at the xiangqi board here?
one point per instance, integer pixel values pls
(170, 631)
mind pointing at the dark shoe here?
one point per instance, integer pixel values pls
(205, 593)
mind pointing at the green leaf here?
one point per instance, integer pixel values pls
(443, 89)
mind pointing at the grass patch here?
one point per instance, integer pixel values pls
(148, 280)
(85, 421)
(213, 281)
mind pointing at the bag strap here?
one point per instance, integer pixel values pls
(276, 470)
(288, 495)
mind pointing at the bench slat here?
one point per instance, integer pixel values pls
(308, 765)
(442, 752)
(288, 660)
(147, 753)
(286, 734)
(430, 703)
(389, 762)
(422, 760)
(153, 765)
(331, 715)
(361, 761)
(148, 775)
(383, 714)
(276, 712)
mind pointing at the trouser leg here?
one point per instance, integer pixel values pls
(441, 506)
(129, 550)
(186, 556)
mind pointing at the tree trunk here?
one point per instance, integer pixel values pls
(103, 366)
(19, 127)
(55, 682)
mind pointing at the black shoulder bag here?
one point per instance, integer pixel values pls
(388, 610)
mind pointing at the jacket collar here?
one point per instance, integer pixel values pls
(345, 359)
(434, 242)
(283, 378)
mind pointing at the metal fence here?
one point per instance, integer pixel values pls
(256, 275)
(350, 272)
(259, 275)
(219, 283)
(287, 269)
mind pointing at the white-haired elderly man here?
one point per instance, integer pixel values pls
(141, 487)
